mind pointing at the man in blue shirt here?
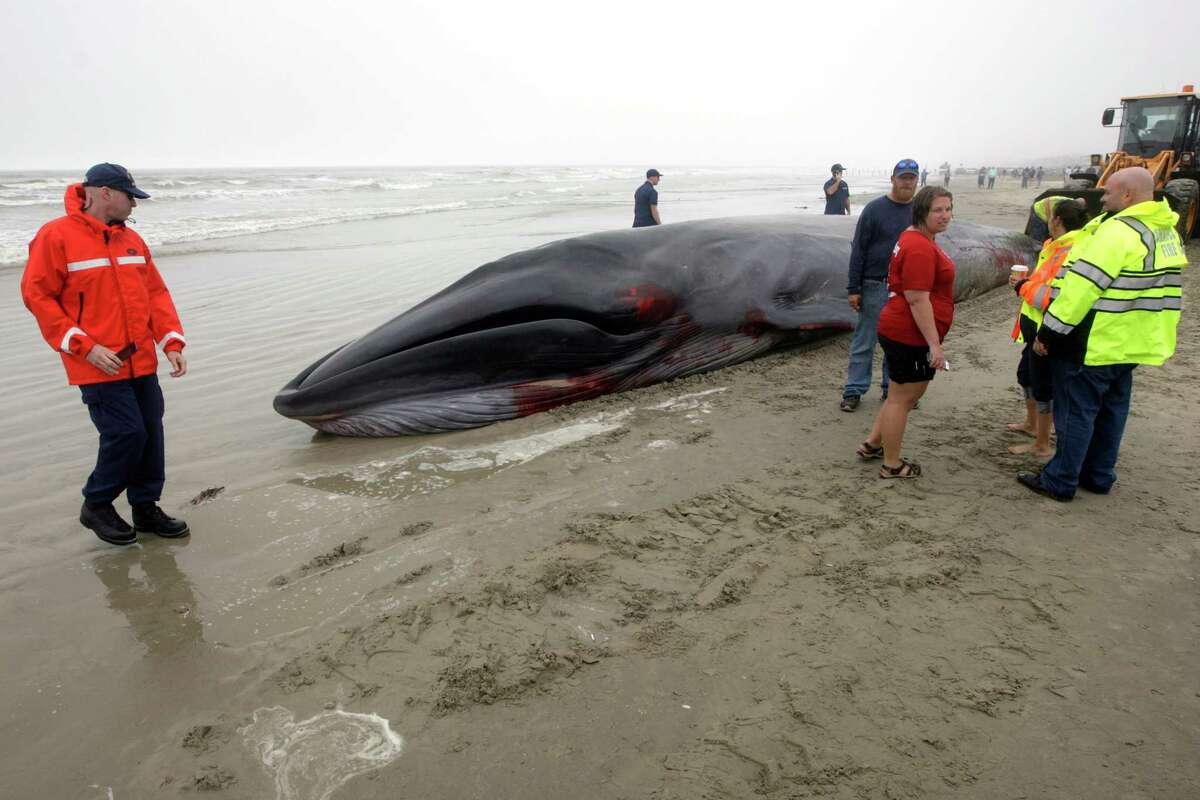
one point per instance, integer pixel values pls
(837, 192)
(879, 226)
(645, 201)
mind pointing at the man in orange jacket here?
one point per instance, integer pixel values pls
(100, 302)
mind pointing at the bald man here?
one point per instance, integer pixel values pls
(1118, 306)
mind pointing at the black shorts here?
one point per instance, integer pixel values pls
(906, 363)
(1033, 372)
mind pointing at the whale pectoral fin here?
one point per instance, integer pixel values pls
(810, 316)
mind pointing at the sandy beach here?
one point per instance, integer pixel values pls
(693, 590)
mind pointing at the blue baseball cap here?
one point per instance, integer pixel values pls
(113, 176)
(906, 166)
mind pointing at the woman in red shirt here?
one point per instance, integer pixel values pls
(912, 325)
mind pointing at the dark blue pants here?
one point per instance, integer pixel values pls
(1091, 405)
(128, 414)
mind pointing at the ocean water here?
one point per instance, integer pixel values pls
(270, 270)
(192, 210)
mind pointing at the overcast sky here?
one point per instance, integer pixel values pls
(181, 83)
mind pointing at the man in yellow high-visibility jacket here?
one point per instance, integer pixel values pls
(1117, 307)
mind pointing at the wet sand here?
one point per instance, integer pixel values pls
(692, 590)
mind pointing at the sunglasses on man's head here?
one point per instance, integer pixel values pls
(906, 164)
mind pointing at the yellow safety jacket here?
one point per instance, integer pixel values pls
(1120, 299)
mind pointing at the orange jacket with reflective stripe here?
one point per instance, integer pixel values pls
(1036, 291)
(90, 283)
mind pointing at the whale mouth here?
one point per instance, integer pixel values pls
(611, 324)
(477, 359)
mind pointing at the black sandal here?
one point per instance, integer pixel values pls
(867, 452)
(907, 469)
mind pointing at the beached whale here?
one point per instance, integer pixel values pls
(606, 312)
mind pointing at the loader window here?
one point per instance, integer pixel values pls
(1151, 126)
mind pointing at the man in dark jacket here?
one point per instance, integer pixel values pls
(645, 201)
(837, 192)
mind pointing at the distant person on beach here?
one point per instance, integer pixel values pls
(981, 176)
(98, 298)
(879, 226)
(837, 192)
(924, 176)
(991, 178)
(1065, 219)
(1041, 173)
(645, 201)
(1118, 306)
(912, 327)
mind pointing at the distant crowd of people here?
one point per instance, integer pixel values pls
(988, 175)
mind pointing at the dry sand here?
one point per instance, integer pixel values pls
(689, 591)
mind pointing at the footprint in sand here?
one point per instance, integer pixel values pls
(311, 759)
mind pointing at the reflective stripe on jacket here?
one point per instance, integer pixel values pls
(1120, 299)
(89, 283)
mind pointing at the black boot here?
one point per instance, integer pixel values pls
(149, 518)
(106, 523)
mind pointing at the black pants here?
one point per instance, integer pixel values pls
(128, 414)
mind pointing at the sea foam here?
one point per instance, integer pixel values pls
(312, 758)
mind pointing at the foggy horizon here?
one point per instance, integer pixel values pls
(275, 85)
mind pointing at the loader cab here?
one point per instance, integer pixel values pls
(1160, 132)
(1155, 123)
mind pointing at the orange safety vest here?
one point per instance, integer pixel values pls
(1037, 290)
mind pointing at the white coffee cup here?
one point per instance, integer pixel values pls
(1019, 271)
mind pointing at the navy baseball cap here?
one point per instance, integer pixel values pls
(906, 166)
(113, 176)
(653, 173)
(837, 168)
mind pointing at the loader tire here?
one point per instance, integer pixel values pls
(1186, 193)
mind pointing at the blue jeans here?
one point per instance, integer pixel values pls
(862, 346)
(128, 414)
(1091, 405)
